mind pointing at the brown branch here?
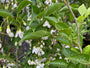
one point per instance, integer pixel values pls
(67, 3)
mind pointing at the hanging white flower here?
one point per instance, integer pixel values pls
(46, 24)
(9, 32)
(8, 29)
(19, 33)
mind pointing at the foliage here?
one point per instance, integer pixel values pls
(43, 34)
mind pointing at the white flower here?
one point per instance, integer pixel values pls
(15, 5)
(48, 1)
(16, 43)
(58, 49)
(0, 45)
(45, 38)
(60, 57)
(38, 51)
(41, 46)
(9, 32)
(31, 62)
(8, 29)
(27, 28)
(46, 24)
(52, 31)
(67, 46)
(19, 33)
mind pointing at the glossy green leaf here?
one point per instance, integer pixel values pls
(80, 58)
(5, 13)
(58, 63)
(35, 35)
(22, 5)
(51, 9)
(82, 9)
(67, 31)
(86, 50)
(61, 25)
(81, 66)
(68, 52)
(64, 40)
(71, 65)
(87, 12)
(80, 19)
(52, 20)
(35, 11)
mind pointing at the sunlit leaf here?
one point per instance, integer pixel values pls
(58, 63)
(35, 35)
(82, 9)
(22, 5)
(80, 58)
(86, 50)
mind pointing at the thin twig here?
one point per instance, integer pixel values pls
(67, 3)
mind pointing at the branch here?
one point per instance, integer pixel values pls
(67, 3)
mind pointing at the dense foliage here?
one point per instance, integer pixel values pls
(44, 33)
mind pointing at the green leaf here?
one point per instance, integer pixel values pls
(35, 11)
(67, 31)
(51, 9)
(80, 19)
(35, 35)
(5, 13)
(68, 52)
(86, 50)
(22, 5)
(52, 20)
(81, 66)
(82, 9)
(87, 13)
(71, 65)
(48, 11)
(58, 63)
(80, 58)
(61, 25)
(64, 40)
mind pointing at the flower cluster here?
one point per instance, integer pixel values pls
(37, 62)
(38, 51)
